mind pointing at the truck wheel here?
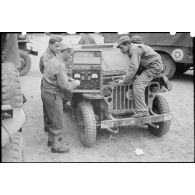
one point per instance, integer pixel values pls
(181, 69)
(160, 106)
(25, 63)
(14, 150)
(11, 88)
(170, 66)
(86, 124)
(17, 148)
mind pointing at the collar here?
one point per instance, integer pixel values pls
(131, 49)
(50, 52)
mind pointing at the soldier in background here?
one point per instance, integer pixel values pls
(51, 51)
(55, 83)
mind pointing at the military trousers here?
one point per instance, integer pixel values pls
(54, 110)
(139, 87)
(45, 117)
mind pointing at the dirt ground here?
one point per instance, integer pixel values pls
(176, 146)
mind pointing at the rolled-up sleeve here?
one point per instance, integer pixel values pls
(134, 64)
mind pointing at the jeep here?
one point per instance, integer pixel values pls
(100, 102)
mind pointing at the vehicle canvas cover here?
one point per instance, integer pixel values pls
(165, 39)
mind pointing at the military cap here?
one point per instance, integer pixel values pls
(64, 46)
(123, 39)
(136, 39)
(54, 39)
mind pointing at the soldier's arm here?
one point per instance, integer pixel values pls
(63, 82)
(134, 64)
(41, 65)
(43, 61)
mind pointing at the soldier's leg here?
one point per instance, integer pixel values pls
(45, 117)
(54, 108)
(139, 87)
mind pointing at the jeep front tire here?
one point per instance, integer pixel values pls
(160, 106)
(86, 124)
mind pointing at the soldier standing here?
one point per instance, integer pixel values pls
(51, 51)
(55, 83)
(144, 58)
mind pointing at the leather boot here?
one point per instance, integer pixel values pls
(50, 139)
(58, 146)
(166, 82)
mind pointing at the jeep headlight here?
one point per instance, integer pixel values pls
(94, 76)
(77, 76)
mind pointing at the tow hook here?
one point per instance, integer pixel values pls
(153, 125)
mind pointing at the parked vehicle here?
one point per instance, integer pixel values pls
(12, 114)
(25, 50)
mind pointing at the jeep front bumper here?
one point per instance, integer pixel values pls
(115, 123)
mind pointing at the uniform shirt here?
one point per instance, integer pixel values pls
(144, 57)
(47, 55)
(55, 79)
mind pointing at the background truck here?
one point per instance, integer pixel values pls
(176, 50)
(25, 49)
(12, 114)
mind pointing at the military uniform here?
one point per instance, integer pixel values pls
(145, 58)
(43, 61)
(47, 55)
(55, 82)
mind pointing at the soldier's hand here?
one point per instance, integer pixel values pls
(77, 82)
(70, 79)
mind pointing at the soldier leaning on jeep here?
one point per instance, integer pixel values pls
(55, 83)
(145, 58)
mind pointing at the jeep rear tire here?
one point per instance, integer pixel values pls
(14, 150)
(86, 124)
(25, 63)
(11, 88)
(170, 66)
(160, 106)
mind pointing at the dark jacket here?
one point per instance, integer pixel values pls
(142, 57)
